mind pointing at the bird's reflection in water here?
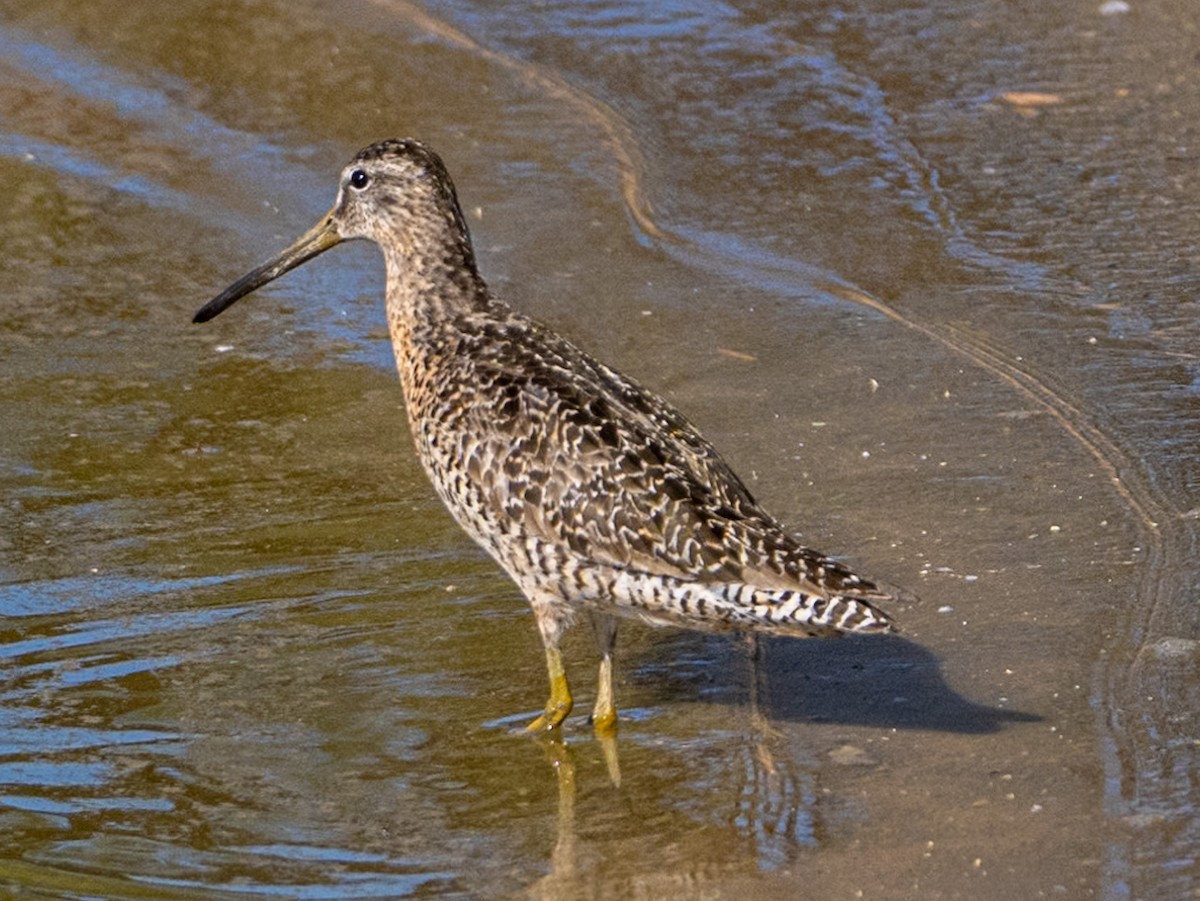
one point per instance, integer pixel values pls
(563, 877)
(738, 792)
(763, 802)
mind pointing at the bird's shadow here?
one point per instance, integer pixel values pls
(882, 681)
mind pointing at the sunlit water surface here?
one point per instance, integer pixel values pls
(924, 273)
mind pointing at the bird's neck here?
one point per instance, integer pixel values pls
(431, 286)
(432, 282)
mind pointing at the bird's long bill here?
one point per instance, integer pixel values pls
(316, 240)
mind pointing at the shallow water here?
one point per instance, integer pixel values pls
(924, 274)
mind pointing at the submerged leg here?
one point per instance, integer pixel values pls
(759, 696)
(559, 704)
(604, 714)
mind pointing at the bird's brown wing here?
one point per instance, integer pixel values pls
(590, 460)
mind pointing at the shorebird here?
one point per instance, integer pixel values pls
(594, 494)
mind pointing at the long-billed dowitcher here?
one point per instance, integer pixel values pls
(593, 493)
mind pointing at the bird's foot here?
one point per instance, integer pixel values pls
(551, 718)
(604, 721)
(558, 705)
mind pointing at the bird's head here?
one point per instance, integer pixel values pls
(396, 193)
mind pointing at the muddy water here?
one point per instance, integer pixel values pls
(925, 273)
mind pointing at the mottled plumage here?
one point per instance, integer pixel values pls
(593, 493)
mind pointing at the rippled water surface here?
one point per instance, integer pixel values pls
(924, 272)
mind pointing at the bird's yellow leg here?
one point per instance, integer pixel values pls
(604, 713)
(560, 702)
(604, 720)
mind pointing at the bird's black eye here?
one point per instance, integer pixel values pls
(359, 179)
